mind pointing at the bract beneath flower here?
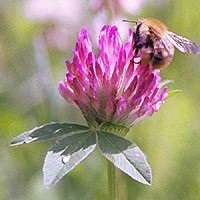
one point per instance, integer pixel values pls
(111, 87)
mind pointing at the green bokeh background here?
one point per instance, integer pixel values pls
(30, 71)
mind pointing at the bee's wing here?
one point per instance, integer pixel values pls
(183, 44)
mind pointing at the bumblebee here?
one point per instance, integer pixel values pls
(154, 43)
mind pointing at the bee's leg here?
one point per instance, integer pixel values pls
(136, 49)
(138, 46)
(134, 62)
(136, 52)
(135, 56)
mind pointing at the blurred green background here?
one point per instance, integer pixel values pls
(35, 39)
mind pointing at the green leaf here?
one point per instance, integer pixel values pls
(65, 154)
(48, 131)
(125, 155)
(173, 93)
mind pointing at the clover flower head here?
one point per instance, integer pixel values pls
(114, 92)
(111, 87)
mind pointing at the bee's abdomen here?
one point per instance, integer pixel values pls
(160, 60)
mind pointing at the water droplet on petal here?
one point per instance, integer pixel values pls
(65, 159)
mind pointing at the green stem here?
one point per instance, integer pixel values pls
(111, 181)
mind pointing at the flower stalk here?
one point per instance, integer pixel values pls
(112, 189)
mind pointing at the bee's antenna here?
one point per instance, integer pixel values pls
(131, 21)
